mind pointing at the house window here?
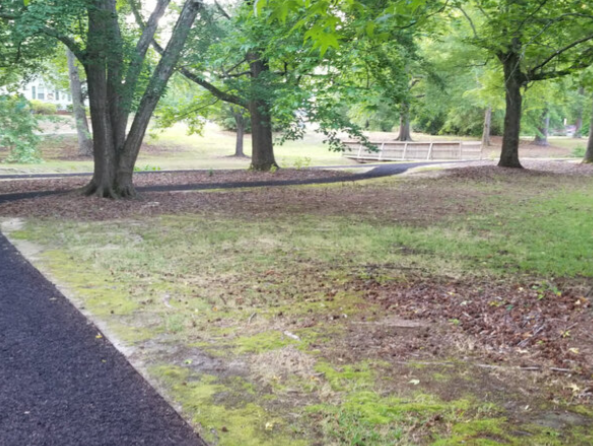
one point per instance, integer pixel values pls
(41, 93)
(33, 92)
(57, 95)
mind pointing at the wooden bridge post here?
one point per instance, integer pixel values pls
(429, 151)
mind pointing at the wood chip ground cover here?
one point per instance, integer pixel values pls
(173, 178)
(415, 312)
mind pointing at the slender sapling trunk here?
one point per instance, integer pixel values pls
(541, 137)
(85, 143)
(487, 125)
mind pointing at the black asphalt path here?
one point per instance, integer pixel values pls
(63, 385)
(377, 171)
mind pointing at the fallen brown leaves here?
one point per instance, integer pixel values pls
(533, 324)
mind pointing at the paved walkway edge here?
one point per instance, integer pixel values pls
(30, 252)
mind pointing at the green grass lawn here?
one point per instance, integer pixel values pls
(247, 317)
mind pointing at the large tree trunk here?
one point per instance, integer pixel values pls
(405, 133)
(589, 152)
(541, 137)
(487, 126)
(115, 154)
(579, 120)
(240, 124)
(262, 152)
(102, 183)
(514, 80)
(85, 143)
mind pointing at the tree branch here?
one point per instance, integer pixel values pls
(69, 42)
(224, 96)
(221, 10)
(244, 73)
(558, 53)
(471, 22)
(570, 70)
(538, 9)
(142, 46)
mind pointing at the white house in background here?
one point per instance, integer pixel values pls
(39, 90)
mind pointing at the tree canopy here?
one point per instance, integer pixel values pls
(459, 66)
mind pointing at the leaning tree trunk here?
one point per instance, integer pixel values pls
(154, 91)
(487, 125)
(509, 156)
(589, 152)
(262, 152)
(541, 137)
(85, 143)
(405, 133)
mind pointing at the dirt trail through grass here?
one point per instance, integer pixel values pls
(423, 311)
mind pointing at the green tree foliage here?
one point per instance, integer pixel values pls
(115, 61)
(17, 130)
(532, 41)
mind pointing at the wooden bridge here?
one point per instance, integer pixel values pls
(414, 150)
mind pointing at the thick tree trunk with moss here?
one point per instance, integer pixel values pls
(111, 89)
(262, 143)
(85, 143)
(514, 81)
(541, 137)
(405, 133)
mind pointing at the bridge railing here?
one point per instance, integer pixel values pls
(414, 150)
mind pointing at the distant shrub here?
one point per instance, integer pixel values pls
(578, 152)
(17, 130)
(43, 108)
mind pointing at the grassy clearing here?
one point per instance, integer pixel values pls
(173, 149)
(242, 319)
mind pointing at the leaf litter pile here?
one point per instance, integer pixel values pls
(535, 326)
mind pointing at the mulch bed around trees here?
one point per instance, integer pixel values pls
(164, 178)
(409, 201)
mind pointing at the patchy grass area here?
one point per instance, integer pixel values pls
(439, 311)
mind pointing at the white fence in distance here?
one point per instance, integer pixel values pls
(414, 150)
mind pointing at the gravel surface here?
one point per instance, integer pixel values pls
(61, 382)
